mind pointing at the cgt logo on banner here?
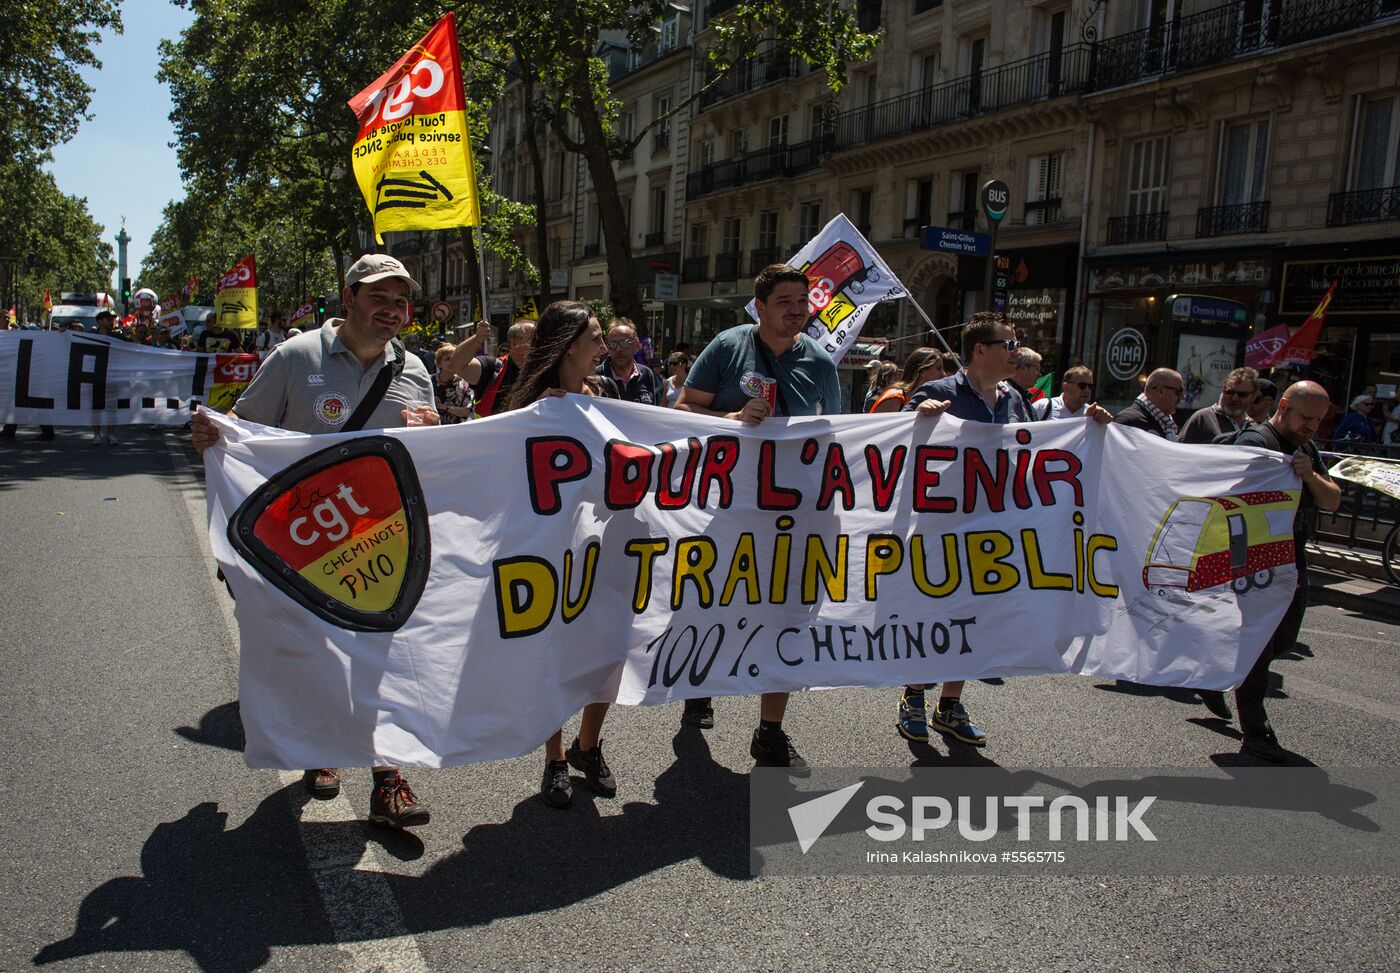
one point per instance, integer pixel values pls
(236, 295)
(63, 379)
(847, 279)
(638, 557)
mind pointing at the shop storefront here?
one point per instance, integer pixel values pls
(1039, 294)
(1359, 349)
(1191, 315)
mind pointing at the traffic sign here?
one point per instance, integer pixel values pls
(442, 312)
(964, 242)
(667, 287)
(996, 199)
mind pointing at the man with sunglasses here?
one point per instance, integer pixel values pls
(981, 392)
(635, 381)
(1229, 414)
(1155, 407)
(1073, 401)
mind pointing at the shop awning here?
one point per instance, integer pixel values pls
(715, 302)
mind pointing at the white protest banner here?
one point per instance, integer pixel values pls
(611, 551)
(65, 378)
(847, 279)
(1376, 473)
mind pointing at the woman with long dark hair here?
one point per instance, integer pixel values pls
(922, 365)
(568, 346)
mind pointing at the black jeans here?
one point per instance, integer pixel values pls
(1249, 698)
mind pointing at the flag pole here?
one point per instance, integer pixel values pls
(936, 334)
(481, 269)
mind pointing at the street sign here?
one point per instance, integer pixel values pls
(667, 287)
(1001, 282)
(442, 312)
(996, 200)
(559, 279)
(1196, 307)
(1126, 354)
(964, 242)
(500, 305)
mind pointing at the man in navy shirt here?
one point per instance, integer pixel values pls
(747, 374)
(981, 392)
(635, 381)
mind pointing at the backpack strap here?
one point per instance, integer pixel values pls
(389, 371)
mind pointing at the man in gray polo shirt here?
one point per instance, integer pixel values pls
(313, 383)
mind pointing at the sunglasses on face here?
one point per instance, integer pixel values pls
(1082, 385)
(1011, 344)
(1173, 389)
(622, 342)
(1238, 394)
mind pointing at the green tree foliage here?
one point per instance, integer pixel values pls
(48, 240)
(260, 90)
(553, 46)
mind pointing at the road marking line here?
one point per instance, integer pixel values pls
(1342, 697)
(1345, 637)
(349, 874)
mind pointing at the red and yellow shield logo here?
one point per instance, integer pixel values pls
(343, 532)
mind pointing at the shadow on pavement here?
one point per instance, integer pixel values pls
(73, 456)
(221, 727)
(227, 897)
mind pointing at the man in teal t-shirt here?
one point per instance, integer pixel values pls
(749, 373)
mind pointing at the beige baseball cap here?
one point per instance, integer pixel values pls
(378, 266)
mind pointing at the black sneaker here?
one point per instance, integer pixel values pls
(1214, 700)
(556, 788)
(699, 713)
(594, 768)
(774, 749)
(1264, 745)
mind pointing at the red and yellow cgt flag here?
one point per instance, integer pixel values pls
(303, 317)
(412, 158)
(1301, 349)
(236, 295)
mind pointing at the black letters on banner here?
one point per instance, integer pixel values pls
(78, 375)
(23, 400)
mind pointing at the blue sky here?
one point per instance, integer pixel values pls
(121, 160)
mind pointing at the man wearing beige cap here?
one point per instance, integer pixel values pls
(349, 374)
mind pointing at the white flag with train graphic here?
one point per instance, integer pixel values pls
(614, 551)
(846, 279)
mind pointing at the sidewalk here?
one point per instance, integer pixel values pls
(1351, 579)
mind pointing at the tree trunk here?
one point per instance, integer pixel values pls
(532, 140)
(623, 292)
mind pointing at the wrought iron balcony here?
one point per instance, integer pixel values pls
(770, 163)
(1016, 83)
(1244, 28)
(591, 250)
(776, 64)
(727, 266)
(1364, 206)
(1232, 220)
(1042, 211)
(762, 257)
(655, 239)
(1142, 228)
(695, 269)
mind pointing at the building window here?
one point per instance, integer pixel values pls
(670, 34)
(1374, 161)
(816, 120)
(699, 240)
(768, 230)
(729, 235)
(661, 134)
(707, 152)
(738, 143)
(862, 202)
(1243, 175)
(918, 208)
(809, 221)
(1043, 193)
(924, 6)
(1147, 176)
(962, 200)
(559, 173)
(777, 131)
(658, 213)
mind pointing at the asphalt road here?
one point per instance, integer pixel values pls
(137, 839)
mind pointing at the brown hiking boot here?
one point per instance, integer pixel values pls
(394, 805)
(322, 784)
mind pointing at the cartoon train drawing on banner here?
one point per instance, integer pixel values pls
(1208, 551)
(1205, 542)
(838, 272)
